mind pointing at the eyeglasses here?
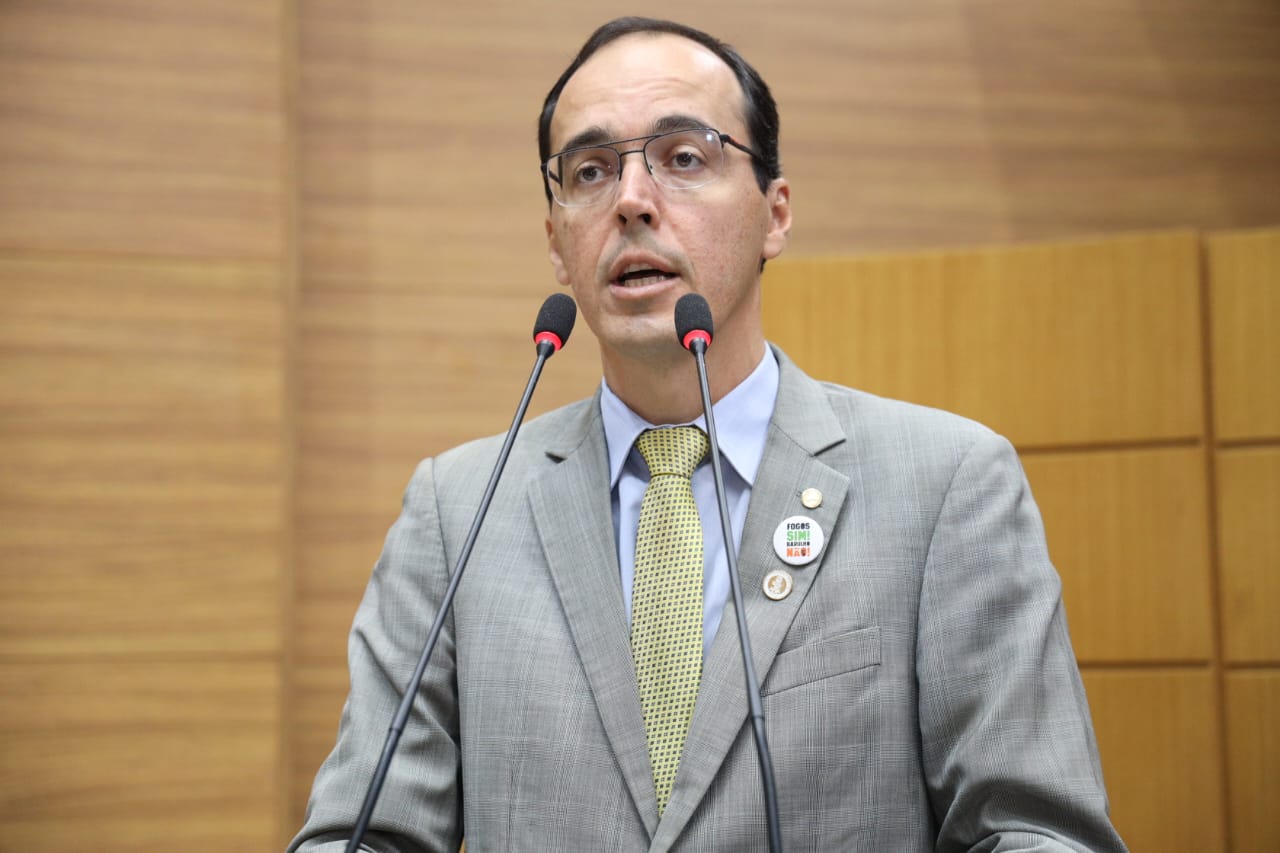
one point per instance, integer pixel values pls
(679, 160)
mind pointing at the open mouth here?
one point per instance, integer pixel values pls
(639, 276)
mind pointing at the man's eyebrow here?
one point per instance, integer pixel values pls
(597, 135)
(667, 124)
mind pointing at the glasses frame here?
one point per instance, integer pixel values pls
(548, 176)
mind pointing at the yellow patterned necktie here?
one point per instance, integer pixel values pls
(666, 600)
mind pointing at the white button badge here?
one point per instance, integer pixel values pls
(798, 540)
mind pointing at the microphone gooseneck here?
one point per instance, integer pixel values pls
(693, 329)
(550, 333)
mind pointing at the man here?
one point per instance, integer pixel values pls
(918, 683)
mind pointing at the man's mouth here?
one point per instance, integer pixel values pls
(638, 275)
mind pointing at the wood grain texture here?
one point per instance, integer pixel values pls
(418, 164)
(1070, 343)
(140, 126)
(1157, 732)
(126, 755)
(1253, 756)
(140, 438)
(1244, 308)
(905, 126)
(1128, 532)
(1249, 546)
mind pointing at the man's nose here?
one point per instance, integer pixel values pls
(637, 190)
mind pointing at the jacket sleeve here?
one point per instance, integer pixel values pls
(1008, 746)
(420, 806)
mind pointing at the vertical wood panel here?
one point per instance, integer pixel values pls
(1157, 732)
(1253, 743)
(141, 126)
(140, 508)
(143, 459)
(1056, 344)
(1249, 546)
(141, 520)
(1244, 299)
(1128, 532)
(117, 755)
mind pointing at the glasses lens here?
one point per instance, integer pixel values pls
(681, 160)
(585, 175)
(686, 159)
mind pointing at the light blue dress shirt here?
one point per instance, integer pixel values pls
(742, 425)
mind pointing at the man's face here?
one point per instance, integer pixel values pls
(708, 240)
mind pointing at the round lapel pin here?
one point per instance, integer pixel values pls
(777, 584)
(798, 540)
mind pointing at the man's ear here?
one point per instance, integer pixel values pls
(553, 250)
(778, 198)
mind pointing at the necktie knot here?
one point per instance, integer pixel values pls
(673, 450)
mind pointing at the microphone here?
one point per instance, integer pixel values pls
(693, 330)
(550, 333)
(555, 322)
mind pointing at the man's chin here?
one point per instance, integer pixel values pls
(651, 341)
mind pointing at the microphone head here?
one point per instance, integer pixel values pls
(693, 320)
(555, 321)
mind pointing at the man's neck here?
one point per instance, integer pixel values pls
(667, 391)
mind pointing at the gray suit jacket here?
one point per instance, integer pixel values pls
(919, 687)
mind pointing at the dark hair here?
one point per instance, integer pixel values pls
(761, 111)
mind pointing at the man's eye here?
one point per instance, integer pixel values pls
(686, 160)
(590, 173)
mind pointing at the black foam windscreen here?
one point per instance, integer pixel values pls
(556, 316)
(692, 314)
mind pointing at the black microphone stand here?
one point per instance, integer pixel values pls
(546, 349)
(698, 346)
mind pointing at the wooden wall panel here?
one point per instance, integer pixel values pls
(905, 126)
(141, 530)
(1128, 532)
(1058, 344)
(1245, 313)
(1253, 741)
(117, 755)
(142, 126)
(418, 165)
(1249, 545)
(141, 507)
(912, 126)
(1157, 733)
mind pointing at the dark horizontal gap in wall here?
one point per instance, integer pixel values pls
(1110, 446)
(1272, 442)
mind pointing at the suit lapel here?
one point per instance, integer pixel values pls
(572, 511)
(803, 426)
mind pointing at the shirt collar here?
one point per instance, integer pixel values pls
(742, 422)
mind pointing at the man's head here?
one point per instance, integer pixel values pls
(630, 241)
(759, 110)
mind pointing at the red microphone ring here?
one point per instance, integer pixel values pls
(695, 335)
(550, 337)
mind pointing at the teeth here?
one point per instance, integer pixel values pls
(644, 280)
(641, 274)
